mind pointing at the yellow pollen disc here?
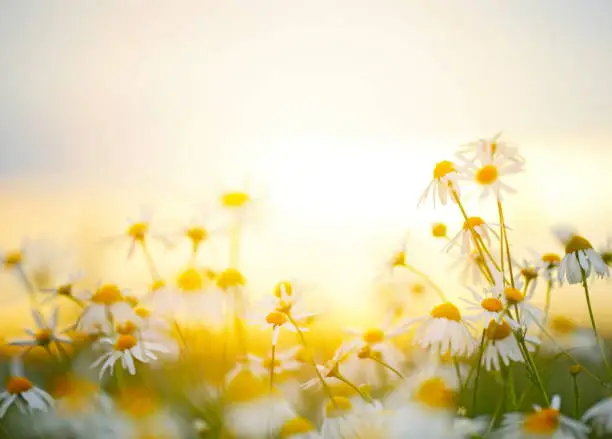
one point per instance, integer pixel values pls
(364, 352)
(197, 235)
(125, 342)
(398, 260)
(446, 311)
(472, 223)
(551, 258)
(417, 288)
(529, 273)
(493, 147)
(294, 427)
(443, 168)
(245, 387)
(276, 318)
(126, 328)
(64, 290)
(287, 286)
(17, 385)
(131, 300)
(373, 336)
(230, 278)
(12, 259)
(190, 280)
(107, 294)
(138, 231)
(268, 363)
(513, 295)
(143, 313)
(487, 175)
(137, 402)
(43, 337)
(157, 285)
(438, 230)
(71, 386)
(562, 325)
(498, 331)
(436, 394)
(337, 406)
(577, 243)
(492, 304)
(235, 200)
(544, 422)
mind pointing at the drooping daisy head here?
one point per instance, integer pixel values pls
(22, 392)
(298, 428)
(580, 261)
(444, 184)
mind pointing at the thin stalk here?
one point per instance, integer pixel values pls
(386, 365)
(534, 370)
(427, 280)
(547, 303)
(181, 336)
(458, 372)
(273, 359)
(365, 397)
(511, 387)
(576, 397)
(478, 368)
(150, 262)
(593, 324)
(505, 236)
(498, 410)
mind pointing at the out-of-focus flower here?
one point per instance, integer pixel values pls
(345, 418)
(284, 362)
(489, 171)
(568, 336)
(473, 267)
(23, 393)
(581, 260)
(107, 301)
(465, 238)
(445, 180)
(600, 417)
(542, 423)
(45, 332)
(64, 289)
(486, 306)
(503, 345)
(482, 149)
(298, 428)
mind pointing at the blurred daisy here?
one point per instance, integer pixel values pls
(13, 259)
(284, 362)
(197, 231)
(75, 396)
(482, 149)
(580, 257)
(330, 371)
(47, 261)
(568, 336)
(248, 363)
(465, 238)
(429, 364)
(21, 392)
(564, 233)
(548, 264)
(606, 252)
(445, 180)
(298, 428)
(107, 304)
(129, 348)
(45, 333)
(472, 267)
(503, 345)
(344, 418)
(444, 330)
(489, 172)
(529, 273)
(600, 417)
(542, 423)
(65, 289)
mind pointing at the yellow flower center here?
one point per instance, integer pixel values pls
(374, 336)
(18, 385)
(398, 260)
(245, 387)
(12, 259)
(283, 288)
(577, 243)
(295, 427)
(66, 386)
(492, 304)
(562, 325)
(268, 363)
(131, 300)
(529, 273)
(64, 290)
(544, 422)
(43, 336)
(126, 328)
(443, 168)
(472, 223)
(338, 406)
(551, 258)
(446, 311)
(190, 280)
(498, 331)
(157, 285)
(197, 235)
(276, 318)
(137, 402)
(487, 175)
(303, 355)
(513, 296)
(417, 288)
(235, 200)
(125, 342)
(107, 294)
(143, 313)
(138, 231)
(438, 230)
(230, 278)
(434, 393)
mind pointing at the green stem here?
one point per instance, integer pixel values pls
(547, 303)
(576, 397)
(387, 365)
(458, 372)
(478, 368)
(273, 358)
(150, 262)
(505, 237)
(534, 370)
(365, 397)
(427, 280)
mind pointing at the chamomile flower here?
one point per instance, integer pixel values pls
(330, 371)
(515, 297)
(429, 364)
(481, 149)
(568, 336)
(473, 268)
(547, 265)
(344, 418)
(444, 330)
(503, 345)
(444, 185)
(128, 347)
(564, 233)
(65, 289)
(106, 303)
(489, 171)
(581, 260)
(486, 306)
(298, 428)
(606, 252)
(529, 273)
(284, 362)
(542, 423)
(465, 238)
(45, 333)
(23, 393)
(13, 259)
(600, 417)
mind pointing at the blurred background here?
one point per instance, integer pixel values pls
(335, 113)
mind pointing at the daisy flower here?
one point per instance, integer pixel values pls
(489, 172)
(248, 363)
(472, 267)
(503, 345)
(486, 306)
(284, 362)
(600, 416)
(465, 239)
(484, 148)
(129, 348)
(298, 428)
(65, 289)
(606, 252)
(529, 273)
(345, 418)
(445, 180)
(45, 261)
(105, 303)
(564, 233)
(45, 333)
(581, 259)
(429, 364)
(515, 298)
(444, 330)
(568, 336)
(330, 371)
(13, 259)
(21, 392)
(541, 424)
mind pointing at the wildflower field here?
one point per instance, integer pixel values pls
(192, 355)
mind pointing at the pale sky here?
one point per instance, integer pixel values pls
(337, 109)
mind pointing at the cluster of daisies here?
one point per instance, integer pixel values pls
(409, 377)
